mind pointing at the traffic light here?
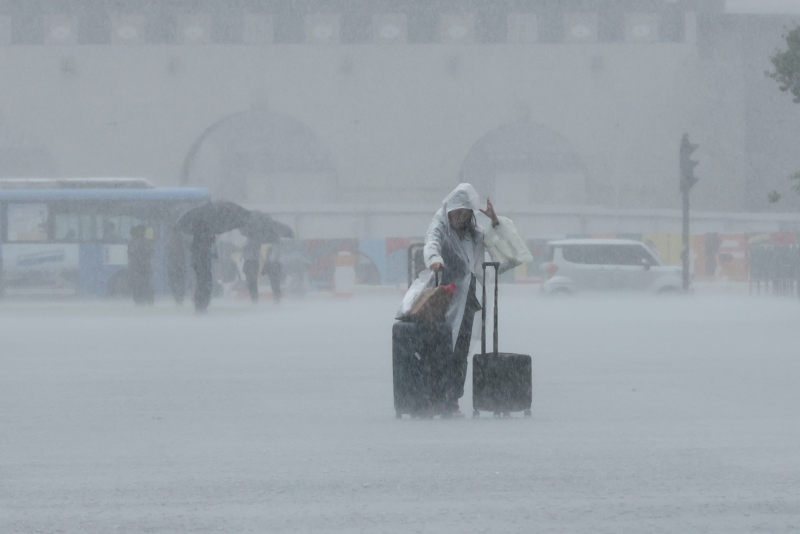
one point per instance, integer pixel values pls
(688, 179)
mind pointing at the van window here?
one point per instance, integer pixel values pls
(633, 255)
(608, 254)
(589, 254)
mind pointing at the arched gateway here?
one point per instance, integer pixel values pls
(525, 164)
(261, 157)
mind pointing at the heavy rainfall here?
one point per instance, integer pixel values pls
(399, 266)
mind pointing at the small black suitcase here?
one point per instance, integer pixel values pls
(418, 352)
(501, 381)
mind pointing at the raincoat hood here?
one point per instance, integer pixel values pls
(463, 196)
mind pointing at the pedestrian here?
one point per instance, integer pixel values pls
(260, 229)
(273, 269)
(202, 251)
(140, 268)
(454, 246)
(252, 255)
(176, 265)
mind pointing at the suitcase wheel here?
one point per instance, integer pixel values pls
(476, 414)
(527, 413)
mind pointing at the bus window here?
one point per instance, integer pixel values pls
(94, 228)
(74, 227)
(109, 230)
(27, 222)
(117, 229)
(67, 227)
(87, 227)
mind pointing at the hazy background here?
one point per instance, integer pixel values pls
(539, 103)
(649, 414)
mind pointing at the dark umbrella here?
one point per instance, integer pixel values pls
(215, 217)
(264, 229)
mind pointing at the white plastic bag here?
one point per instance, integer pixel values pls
(505, 245)
(425, 280)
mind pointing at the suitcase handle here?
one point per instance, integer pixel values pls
(496, 266)
(436, 276)
(413, 266)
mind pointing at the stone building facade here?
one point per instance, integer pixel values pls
(278, 102)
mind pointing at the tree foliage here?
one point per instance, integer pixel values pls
(795, 179)
(787, 65)
(787, 74)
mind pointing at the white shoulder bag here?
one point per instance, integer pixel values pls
(505, 245)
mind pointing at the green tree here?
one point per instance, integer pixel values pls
(787, 74)
(787, 65)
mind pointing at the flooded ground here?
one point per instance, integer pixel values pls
(671, 414)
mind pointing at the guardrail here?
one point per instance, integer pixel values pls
(330, 221)
(775, 269)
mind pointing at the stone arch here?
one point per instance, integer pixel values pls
(526, 163)
(22, 155)
(261, 157)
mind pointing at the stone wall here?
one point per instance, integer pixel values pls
(397, 120)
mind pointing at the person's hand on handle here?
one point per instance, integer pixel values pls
(489, 212)
(436, 266)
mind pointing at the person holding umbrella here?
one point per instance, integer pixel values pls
(204, 222)
(176, 265)
(140, 268)
(260, 229)
(203, 253)
(252, 255)
(274, 270)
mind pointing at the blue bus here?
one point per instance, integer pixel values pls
(68, 237)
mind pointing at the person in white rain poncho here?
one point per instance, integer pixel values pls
(455, 245)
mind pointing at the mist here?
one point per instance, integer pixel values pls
(655, 405)
(276, 103)
(645, 413)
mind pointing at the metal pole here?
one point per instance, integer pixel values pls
(685, 239)
(483, 313)
(496, 280)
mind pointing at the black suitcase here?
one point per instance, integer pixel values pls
(418, 352)
(501, 381)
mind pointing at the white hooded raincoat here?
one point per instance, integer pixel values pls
(461, 257)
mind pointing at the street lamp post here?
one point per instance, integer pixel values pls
(688, 179)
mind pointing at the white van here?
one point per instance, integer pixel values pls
(607, 265)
